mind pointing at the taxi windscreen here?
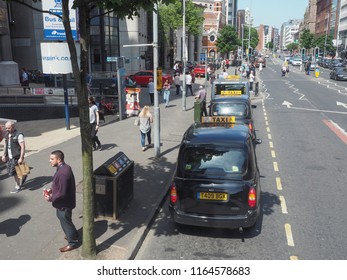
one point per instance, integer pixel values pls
(229, 109)
(213, 163)
(230, 89)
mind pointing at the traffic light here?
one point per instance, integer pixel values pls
(303, 50)
(250, 51)
(316, 52)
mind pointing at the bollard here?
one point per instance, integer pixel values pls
(256, 90)
(197, 111)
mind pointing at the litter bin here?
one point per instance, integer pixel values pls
(113, 184)
(197, 111)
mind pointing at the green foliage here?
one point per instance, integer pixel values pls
(270, 45)
(254, 37)
(293, 46)
(307, 39)
(171, 17)
(228, 40)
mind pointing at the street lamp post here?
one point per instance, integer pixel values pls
(184, 57)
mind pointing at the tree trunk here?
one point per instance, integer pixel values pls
(80, 74)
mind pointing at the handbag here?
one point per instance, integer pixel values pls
(22, 169)
(137, 121)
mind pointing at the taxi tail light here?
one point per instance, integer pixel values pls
(250, 126)
(173, 193)
(252, 197)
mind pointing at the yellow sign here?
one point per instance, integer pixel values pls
(218, 119)
(231, 92)
(159, 78)
(233, 77)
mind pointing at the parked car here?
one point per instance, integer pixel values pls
(142, 77)
(339, 73)
(216, 182)
(336, 62)
(199, 70)
(296, 61)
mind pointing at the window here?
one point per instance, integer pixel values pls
(217, 162)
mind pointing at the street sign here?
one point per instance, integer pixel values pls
(111, 59)
(202, 57)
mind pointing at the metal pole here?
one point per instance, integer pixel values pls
(155, 76)
(243, 27)
(184, 58)
(66, 101)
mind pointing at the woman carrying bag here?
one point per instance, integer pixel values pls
(145, 120)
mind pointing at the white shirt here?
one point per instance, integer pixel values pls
(92, 113)
(188, 79)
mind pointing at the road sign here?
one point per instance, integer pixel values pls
(111, 59)
(202, 57)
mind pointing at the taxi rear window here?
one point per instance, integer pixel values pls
(229, 109)
(213, 163)
(229, 89)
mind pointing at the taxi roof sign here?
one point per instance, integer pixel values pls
(218, 119)
(233, 77)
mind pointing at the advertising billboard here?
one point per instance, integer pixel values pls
(53, 28)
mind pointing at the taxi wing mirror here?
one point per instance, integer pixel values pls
(254, 106)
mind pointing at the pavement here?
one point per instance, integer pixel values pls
(28, 225)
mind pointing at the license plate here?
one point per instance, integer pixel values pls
(231, 92)
(212, 196)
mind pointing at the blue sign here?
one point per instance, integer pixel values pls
(202, 57)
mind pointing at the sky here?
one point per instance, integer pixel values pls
(274, 12)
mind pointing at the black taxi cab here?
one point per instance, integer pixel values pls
(229, 87)
(237, 106)
(216, 183)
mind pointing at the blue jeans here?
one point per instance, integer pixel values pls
(143, 138)
(166, 97)
(65, 218)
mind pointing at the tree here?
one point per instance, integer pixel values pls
(325, 44)
(292, 47)
(171, 17)
(85, 8)
(228, 40)
(254, 37)
(270, 45)
(307, 39)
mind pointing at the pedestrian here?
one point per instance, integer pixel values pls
(145, 119)
(24, 80)
(201, 97)
(251, 80)
(62, 194)
(151, 90)
(94, 119)
(308, 67)
(166, 95)
(260, 67)
(189, 81)
(177, 82)
(212, 77)
(225, 74)
(14, 152)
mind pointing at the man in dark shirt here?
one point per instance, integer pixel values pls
(63, 197)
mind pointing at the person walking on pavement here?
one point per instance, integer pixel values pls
(189, 81)
(94, 119)
(177, 82)
(251, 80)
(201, 97)
(145, 119)
(166, 95)
(62, 194)
(14, 152)
(24, 80)
(151, 90)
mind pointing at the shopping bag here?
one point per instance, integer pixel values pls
(22, 169)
